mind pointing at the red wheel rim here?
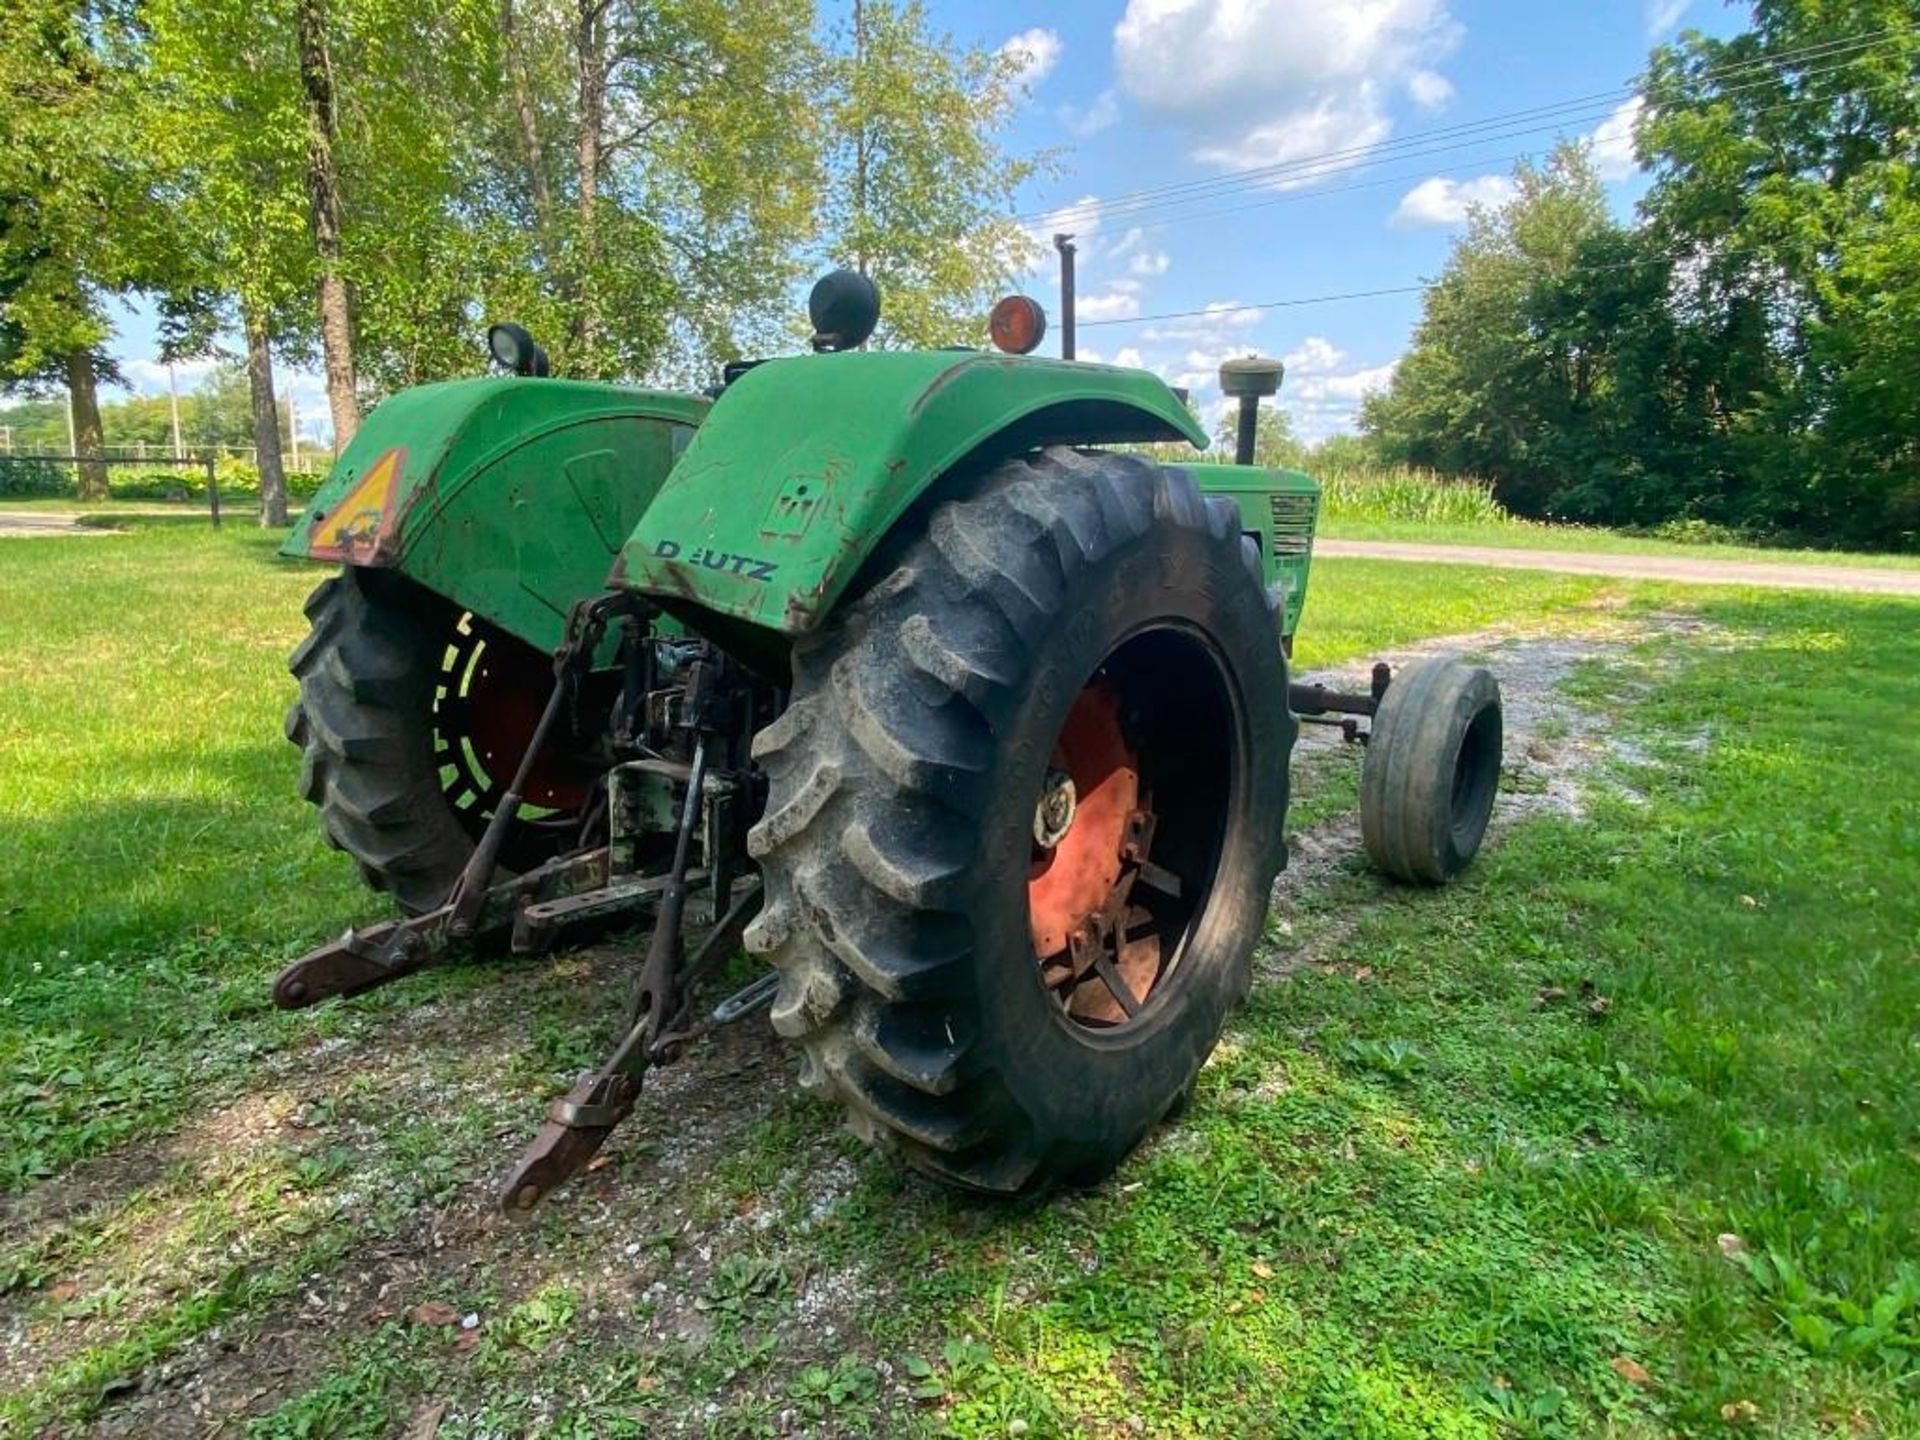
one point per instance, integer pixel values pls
(1079, 887)
(486, 707)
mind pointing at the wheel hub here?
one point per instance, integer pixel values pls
(1080, 822)
(1053, 816)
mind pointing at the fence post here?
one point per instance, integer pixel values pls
(213, 489)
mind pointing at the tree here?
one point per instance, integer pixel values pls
(648, 181)
(1749, 353)
(919, 192)
(1275, 446)
(75, 222)
(323, 197)
(1784, 187)
(223, 105)
(1498, 376)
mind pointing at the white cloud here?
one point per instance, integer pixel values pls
(1333, 127)
(1439, 201)
(1131, 358)
(149, 377)
(1081, 220)
(1315, 356)
(1323, 402)
(1198, 371)
(1663, 15)
(1220, 319)
(1092, 119)
(1034, 53)
(1149, 263)
(1116, 304)
(1613, 157)
(1429, 89)
(1264, 82)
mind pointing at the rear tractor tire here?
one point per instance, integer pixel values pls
(1026, 810)
(410, 720)
(1432, 768)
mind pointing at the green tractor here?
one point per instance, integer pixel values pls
(886, 664)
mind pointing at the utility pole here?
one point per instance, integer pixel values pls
(1064, 244)
(173, 394)
(73, 447)
(293, 427)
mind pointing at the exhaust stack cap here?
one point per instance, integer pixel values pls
(1251, 375)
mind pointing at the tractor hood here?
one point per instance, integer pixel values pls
(804, 464)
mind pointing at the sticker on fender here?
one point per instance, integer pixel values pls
(362, 521)
(749, 567)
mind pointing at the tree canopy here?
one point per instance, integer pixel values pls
(1748, 350)
(372, 182)
(1746, 353)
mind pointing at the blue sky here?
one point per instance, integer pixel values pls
(1139, 94)
(1157, 92)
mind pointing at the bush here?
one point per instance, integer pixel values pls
(130, 484)
(21, 477)
(1692, 530)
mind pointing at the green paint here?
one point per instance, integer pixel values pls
(1278, 509)
(805, 463)
(515, 494)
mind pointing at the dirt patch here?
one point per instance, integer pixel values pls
(1553, 744)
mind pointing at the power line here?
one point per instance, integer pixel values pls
(1221, 309)
(1822, 51)
(1838, 52)
(1424, 173)
(1304, 172)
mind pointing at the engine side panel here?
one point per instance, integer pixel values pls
(805, 463)
(1278, 512)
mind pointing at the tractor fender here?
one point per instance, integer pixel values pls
(804, 464)
(509, 496)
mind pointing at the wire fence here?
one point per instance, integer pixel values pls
(314, 459)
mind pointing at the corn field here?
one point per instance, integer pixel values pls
(1401, 493)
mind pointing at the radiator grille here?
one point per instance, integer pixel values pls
(1293, 516)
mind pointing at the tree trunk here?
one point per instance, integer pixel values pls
(524, 114)
(88, 438)
(323, 194)
(266, 424)
(590, 53)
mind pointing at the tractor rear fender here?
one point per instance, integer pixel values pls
(804, 465)
(509, 496)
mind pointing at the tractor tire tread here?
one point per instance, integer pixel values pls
(877, 776)
(366, 760)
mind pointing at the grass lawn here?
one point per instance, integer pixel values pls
(1530, 535)
(1621, 1134)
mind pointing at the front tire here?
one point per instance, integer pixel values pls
(1432, 768)
(988, 987)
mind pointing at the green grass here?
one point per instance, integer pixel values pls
(1420, 1193)
(1420, 507)
(161, 865)
(1429, 1186)
(157, 857)
(1359, 608)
